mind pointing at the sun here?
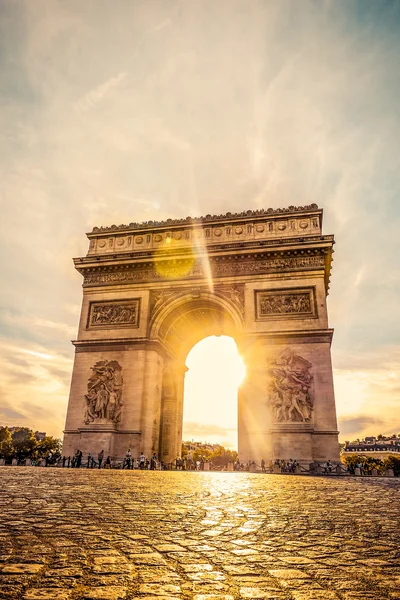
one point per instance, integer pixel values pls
(211, 387)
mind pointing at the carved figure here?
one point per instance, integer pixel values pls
(218, 269)
(290, 395)
(103, 399)
(284, 304)
(119, 314)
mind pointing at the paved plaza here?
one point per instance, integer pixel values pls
(79, 534)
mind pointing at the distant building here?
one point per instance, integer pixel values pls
(371, 446)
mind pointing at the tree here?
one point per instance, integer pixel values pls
(6, 445)
(222, 456)
(392, 462)
(49, 444)
(24, 443)
(218, 455)
(367, 462)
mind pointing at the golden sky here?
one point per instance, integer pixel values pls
(113, 112)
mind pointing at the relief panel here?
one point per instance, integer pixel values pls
(290, 389)
(118, 313)
(285, 303)
(104, 393)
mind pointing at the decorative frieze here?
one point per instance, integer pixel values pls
(147, 272)
(290, 393)
(285, 303)
(104, 393)
(114, 314)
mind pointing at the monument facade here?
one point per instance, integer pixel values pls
(152, 290)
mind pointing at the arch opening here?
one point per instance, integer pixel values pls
(210, 408)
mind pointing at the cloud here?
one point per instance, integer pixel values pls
(202, 430)
(120, 112)
(93, 97)
(359, 424)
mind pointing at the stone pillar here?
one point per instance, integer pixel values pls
(254, 419)
(28, 462)
(169, 416)
(151, 404)
(206, 466)
(230, 467)
(374, 472)
(2, 462)
(14, 462)
(389, 473)
(357, 472)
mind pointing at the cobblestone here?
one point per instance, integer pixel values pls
(111, 535)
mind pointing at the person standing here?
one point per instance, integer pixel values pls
(127, 461)
(100, 457)
(89, 460)
(263, 465)
(108, 463)
(153, 462)
(142, 461)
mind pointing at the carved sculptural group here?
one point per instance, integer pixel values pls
(104, 395)
(285, 304)
(290, 389)
(110, 313)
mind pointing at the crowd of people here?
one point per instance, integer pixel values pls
(187, 463)
(91, 462)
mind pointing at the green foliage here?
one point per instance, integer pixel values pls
(6, 445)
(392, 462)
(367, 462)
(220, 456)
(47, 445)
(22, 444)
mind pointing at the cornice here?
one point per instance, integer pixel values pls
(295, 210)
(248, 246)
(120, 344)
(309, 336)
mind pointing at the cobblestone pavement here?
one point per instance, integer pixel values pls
(70, 534)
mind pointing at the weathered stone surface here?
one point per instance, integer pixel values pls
(307, 539)
(147, 301)
(47, 594)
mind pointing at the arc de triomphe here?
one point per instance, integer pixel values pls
(152, 290)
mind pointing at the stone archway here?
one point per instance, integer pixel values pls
(183, 319)
(152, 290)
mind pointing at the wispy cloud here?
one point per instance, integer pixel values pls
(96, 95)
(117, 112)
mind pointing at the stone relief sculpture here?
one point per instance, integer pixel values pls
(104, 395)
(277, 304)
(145, 273)
(290, 396)
(114, 314)
(234, 293)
